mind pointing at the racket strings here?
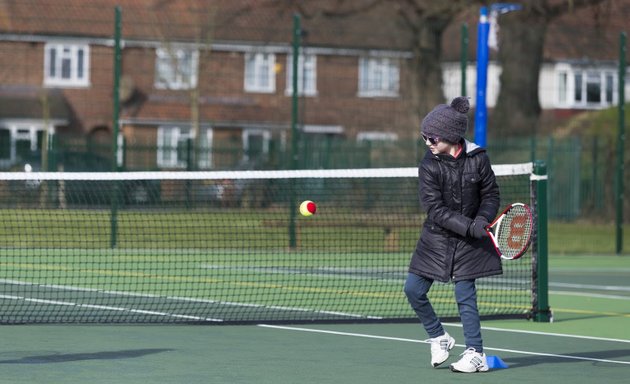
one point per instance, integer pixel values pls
(513, 234)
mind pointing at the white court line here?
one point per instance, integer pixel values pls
(583, 358)
(545, 333)
(594, 295)
(589, 270)
(175, 298)
(109, 308)
(591, 286)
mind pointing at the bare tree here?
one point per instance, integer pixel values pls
(427, 21)
(521, 42)
(419, 27)
(423, 22)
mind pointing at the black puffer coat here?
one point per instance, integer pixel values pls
(454, 191)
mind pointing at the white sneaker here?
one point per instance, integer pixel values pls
(471, 361)
(439, 348)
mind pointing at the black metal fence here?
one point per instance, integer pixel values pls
(581, 175)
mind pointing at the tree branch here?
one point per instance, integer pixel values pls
(358, 8)
(557, 10)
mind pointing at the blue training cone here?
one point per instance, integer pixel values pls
(495, 362)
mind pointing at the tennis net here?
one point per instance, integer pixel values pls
(228, 247)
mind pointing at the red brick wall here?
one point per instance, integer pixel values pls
(222, 96)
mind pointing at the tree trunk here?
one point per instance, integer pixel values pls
(426, 69)
(521, 42)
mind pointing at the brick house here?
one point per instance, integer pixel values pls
(234, 65)
(221, 73)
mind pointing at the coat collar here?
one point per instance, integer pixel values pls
(470, 149)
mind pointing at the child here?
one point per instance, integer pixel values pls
(459, 192)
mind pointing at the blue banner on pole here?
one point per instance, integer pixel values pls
(483, 30)
(481, 116)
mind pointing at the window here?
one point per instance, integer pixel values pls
(586, 88)
(174, 148)
(5, 144)
(66, 65)
(176, 68)
(20, 143)
(593, 88)
(204, 149)
(610, 83)
(307, 75)
(255, 144)
(377, 136)
(260, 72)
(378, 77)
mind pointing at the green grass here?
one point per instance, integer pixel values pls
(229, 230)
(239, 228)
(585, 238)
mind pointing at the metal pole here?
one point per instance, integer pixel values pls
(116, 95)
(481, 116)
(297, 31)
(483, 31)
(542, 312)
(115, 125)
(620, 145)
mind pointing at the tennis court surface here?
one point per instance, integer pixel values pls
(350, 353)
(587, 342)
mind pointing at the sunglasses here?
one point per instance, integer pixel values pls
(432, 140)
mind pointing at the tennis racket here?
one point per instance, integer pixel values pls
(511, 231)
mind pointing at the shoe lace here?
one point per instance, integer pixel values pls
(468, 351)
(475, 359)
(440, 342)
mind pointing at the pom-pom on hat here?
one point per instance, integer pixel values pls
(447, 122)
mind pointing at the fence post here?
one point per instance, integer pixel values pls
(115, 128)
(620, 146)
(190, 166)
(542, 312)
(297, 32)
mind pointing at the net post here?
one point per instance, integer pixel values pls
(540, 275)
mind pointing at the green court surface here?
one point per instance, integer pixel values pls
(588, 342)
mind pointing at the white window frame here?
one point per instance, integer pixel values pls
(171, 71)
(377, 136)
(204, 158)
(23, 130)
(168, 138)
(168, 152)
(379, 77)
(562, 85)
(71, 57)
(260, 72)
(307, 75)
(567, 78)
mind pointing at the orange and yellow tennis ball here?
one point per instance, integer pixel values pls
(308, 208)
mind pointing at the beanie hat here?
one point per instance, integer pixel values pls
(448, 122)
